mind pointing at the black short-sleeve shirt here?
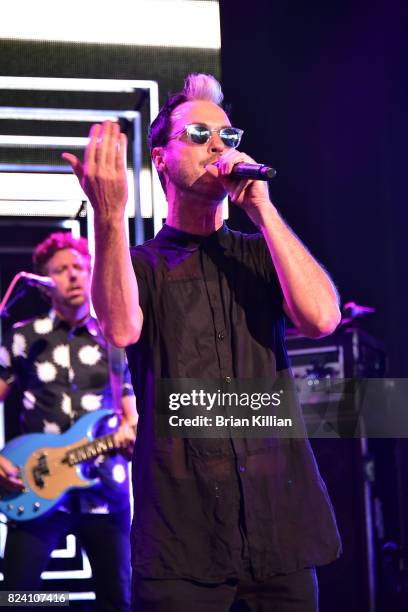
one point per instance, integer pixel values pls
(212, 309)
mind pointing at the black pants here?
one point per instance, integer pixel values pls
(105, 538)
(296, 592)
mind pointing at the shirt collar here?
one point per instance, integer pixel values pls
(184, 241)
(90, 324)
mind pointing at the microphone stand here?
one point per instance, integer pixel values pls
(9, 291)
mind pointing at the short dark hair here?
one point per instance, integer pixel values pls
(159, 130)
(54, 243)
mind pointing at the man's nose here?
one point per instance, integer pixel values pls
(73, 273)
(215, 143)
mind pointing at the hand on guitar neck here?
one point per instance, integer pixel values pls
(124, 438)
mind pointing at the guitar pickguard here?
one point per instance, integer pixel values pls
(49, 476)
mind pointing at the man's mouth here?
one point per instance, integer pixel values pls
(213, 161)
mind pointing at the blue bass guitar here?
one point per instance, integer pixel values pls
(50, 465)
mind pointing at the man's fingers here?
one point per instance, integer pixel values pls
(242, 185)
(9, 476)
(112, 144)
(227, 162)
(103, 143)
(75, 165)
(11, 484)
(90, 151)
(7, 468)
(121, 152)
(124, 436)
(211, 169)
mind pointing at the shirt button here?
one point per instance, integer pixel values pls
(227, 379)
(242, 468)
(221, 335)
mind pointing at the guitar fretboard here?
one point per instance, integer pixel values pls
(101, 445)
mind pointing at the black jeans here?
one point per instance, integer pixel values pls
(296, 592)
(105, 538)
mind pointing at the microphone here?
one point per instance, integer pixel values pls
(259, 172)
(32, 279)
(36, 279)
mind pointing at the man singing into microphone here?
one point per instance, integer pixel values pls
(219, 524)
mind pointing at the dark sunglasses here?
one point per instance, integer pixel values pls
(199, 133)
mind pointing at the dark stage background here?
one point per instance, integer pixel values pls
(320, 89)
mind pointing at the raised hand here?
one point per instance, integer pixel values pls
(103, 175)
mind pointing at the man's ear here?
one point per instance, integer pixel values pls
(158, 158)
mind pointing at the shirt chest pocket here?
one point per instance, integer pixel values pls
(188, 333)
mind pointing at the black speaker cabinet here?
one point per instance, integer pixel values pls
(346, 464)
(348, 583)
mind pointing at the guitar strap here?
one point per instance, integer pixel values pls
(116, 359)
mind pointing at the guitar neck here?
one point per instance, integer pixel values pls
(84, 452)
